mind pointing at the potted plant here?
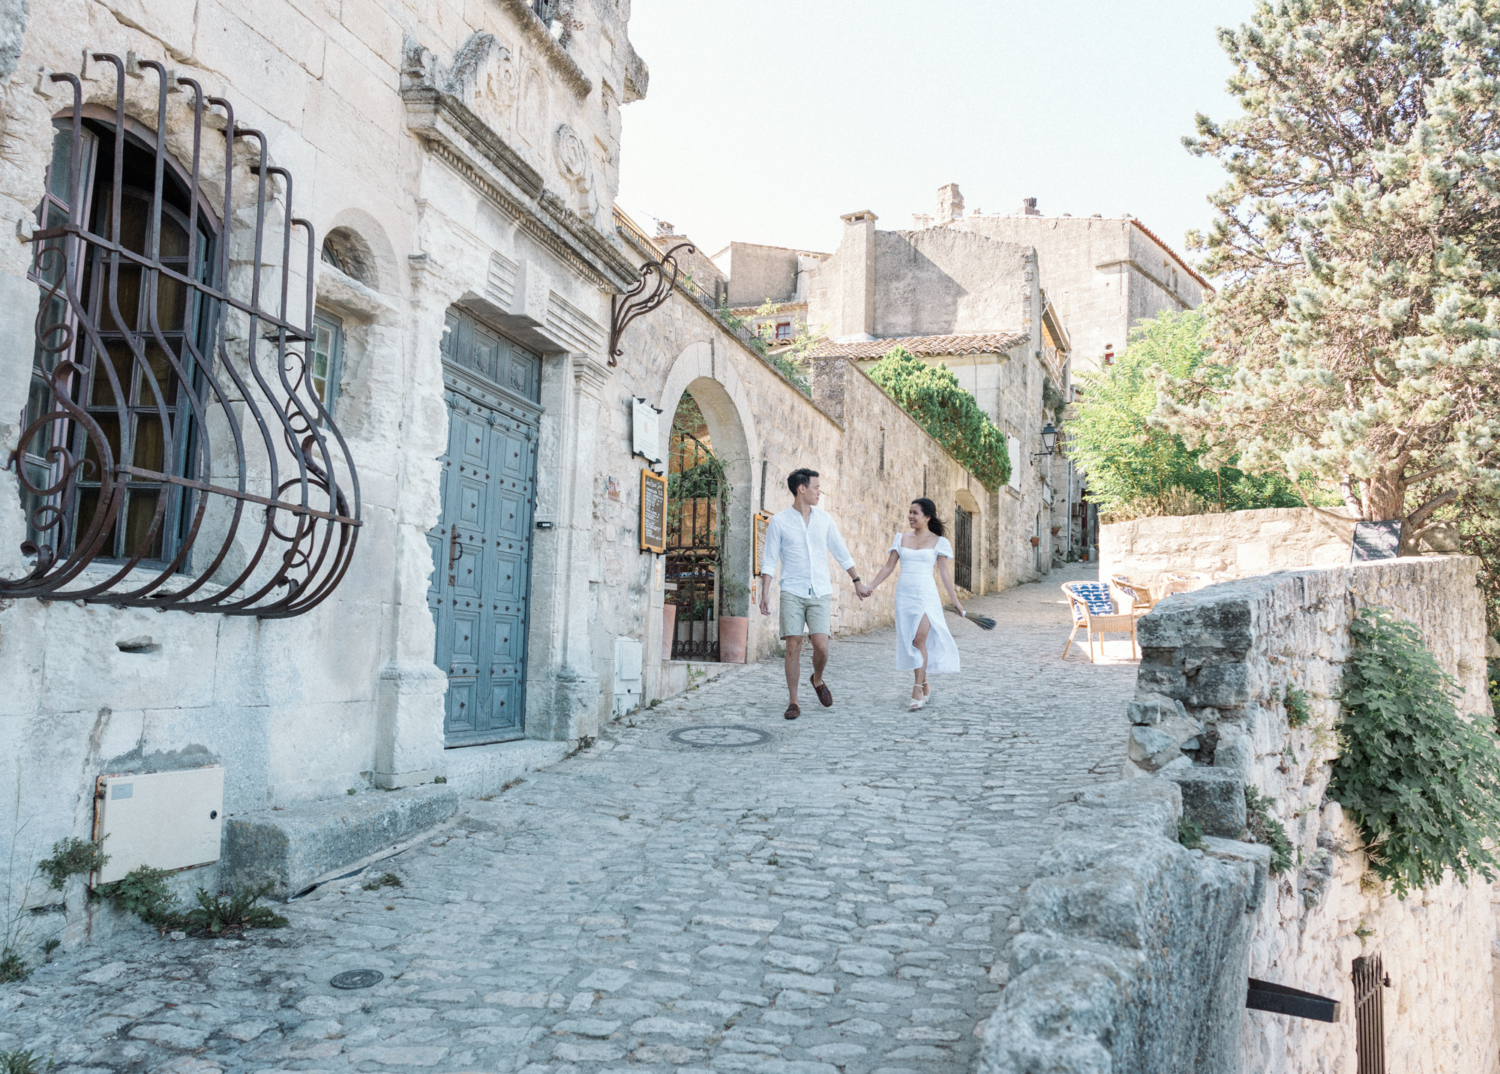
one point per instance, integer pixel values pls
(734, 630)
(1056, 530)
(1035, 541)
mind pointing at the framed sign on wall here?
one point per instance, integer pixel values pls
(653, 512)
(762, 520)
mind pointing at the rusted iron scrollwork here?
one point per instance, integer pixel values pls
(650, 291)
(175, 452)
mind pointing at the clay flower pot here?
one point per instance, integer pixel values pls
(1056, 530)
(668, 629)
(1035, 541)
(734, 631)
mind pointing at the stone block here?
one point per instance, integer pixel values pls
(1220, 686)
(1253, 855)
(1151, 748)
(1212, 797)
(290, 848)
(1151, 709)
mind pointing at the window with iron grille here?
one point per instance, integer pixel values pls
(175, 439)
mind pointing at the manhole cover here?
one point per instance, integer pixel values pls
(357, 979)
(727, 736)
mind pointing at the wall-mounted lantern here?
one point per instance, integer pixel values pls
(1049, 441)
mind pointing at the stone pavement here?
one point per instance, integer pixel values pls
(836, 896)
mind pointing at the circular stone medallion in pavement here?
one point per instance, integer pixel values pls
(724, 736)
(357, 979)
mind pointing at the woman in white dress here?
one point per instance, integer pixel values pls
(923, 643)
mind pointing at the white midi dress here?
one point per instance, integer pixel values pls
(916, 596)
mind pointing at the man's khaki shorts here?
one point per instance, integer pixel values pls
(796, 611)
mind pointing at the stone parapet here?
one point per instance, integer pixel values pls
(1231, 544)
(1132, 947)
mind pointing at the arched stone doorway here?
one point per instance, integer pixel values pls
(709, 408)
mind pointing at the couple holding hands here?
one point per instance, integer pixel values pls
(800, 538)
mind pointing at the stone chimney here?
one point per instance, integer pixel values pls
(664, 230)
(856, 282)
(1028, 207)
(950, 204)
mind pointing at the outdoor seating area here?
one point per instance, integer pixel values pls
(1096, 612)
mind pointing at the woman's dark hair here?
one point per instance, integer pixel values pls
(929, 509)
(797, 478)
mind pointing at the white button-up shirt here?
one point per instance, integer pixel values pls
(802, 550)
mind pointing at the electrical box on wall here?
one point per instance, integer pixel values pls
(168, 820)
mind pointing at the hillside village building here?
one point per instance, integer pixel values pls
(356, 501)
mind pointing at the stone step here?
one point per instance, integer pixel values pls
(291, 847)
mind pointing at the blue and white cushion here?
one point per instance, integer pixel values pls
(1096, 595)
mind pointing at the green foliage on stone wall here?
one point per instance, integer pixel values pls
(1136, 467)
(1266, 830)
(1420, 781)
(932, 395)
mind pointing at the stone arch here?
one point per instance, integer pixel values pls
(965, 499)
(362, 243)
(719, 393)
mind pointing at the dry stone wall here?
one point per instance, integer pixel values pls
(1228, 545)
(1134, 951)
(1210, 714)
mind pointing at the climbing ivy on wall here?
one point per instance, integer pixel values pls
(932, 395)
(1421, 782)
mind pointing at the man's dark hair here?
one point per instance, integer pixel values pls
(798, 478)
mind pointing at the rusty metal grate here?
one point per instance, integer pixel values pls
(963, 548)
(174, 451)
(1369, 1014)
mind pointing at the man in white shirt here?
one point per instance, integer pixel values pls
(800, 539)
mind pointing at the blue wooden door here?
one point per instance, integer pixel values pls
(481, 552)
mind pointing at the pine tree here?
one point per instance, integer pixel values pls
(1359, 238)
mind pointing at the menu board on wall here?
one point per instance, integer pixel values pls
(762, 520)
(653, 512)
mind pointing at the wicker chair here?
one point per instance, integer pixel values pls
(1141, 598)
(1094, 612)
(1183, 582)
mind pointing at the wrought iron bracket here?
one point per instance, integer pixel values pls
(647, 293)
(1279, 999)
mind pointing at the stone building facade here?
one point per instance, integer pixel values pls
(977, 306)
(1104, 275)
(445, 340)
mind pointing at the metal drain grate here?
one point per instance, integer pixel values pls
(723, 736)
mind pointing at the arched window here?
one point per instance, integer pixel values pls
(127, 381)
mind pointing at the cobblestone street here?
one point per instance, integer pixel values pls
(832, 896)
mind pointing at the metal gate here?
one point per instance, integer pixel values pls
(481, 548)
(963, 549)
(1369, 1014)
(695, 499)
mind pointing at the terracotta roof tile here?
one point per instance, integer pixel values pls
(925, 346)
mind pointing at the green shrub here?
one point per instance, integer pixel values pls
(1421, 782)
(1298, 711)
(219, 914)
(1190, 833)
(17, 1061)
(71, 857)
(1266, 830)
(144, 892)
(12, 966)
(932, 395)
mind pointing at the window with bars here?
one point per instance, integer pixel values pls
(126, 381)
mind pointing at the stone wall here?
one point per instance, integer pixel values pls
(1210, 714)
(1132, 949)
(1134, 952)
(1232, 544)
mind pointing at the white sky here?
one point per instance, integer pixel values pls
(767, 119)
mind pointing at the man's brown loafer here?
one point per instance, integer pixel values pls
(825, 695)
(792, 712)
